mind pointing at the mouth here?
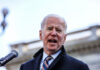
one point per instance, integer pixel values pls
(52, 41)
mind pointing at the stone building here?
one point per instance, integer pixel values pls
(82, 44)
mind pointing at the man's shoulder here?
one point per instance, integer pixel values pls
(76, 62)
(28, 63)
(69, 59)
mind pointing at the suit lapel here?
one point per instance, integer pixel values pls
(55, 62)
(58, 59)
(37, 59)
(37, 62)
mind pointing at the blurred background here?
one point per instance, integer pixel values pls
(20, 24)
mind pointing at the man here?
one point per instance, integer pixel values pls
(53, 55)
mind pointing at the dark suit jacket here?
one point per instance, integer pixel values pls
(62, 62)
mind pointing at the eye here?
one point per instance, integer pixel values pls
(58, 30)
(49, 28)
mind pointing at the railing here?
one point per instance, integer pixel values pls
(80, 36)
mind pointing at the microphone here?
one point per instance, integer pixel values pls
(9, 57)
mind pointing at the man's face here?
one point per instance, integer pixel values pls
(53, 34)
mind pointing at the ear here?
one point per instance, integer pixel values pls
(64, 38)
(40, 32)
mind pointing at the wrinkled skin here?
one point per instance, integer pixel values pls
(53, 34)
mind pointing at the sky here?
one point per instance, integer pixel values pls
(25, 17)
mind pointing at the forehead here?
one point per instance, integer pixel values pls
(54, 21)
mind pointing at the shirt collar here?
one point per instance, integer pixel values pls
(53, 55)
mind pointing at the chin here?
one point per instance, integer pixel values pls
(52, 48)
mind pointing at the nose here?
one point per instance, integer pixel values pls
(53, 33)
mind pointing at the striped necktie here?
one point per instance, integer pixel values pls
(45, 64)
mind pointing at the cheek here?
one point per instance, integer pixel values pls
(61, 39)
(45, 36)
